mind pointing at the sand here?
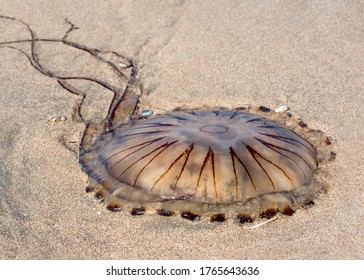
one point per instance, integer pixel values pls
(304, 54)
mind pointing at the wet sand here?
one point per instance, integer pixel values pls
(304, 54)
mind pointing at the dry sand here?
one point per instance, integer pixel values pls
(305, 54)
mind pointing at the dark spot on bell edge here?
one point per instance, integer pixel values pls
(165, 213)
(269, 213)
(287, 211)
(240, 109)
(89, 189)
(137, 211)
(244, 219)
(190, 216)
(308, 204)
(218, 218)
(302, 124)
(99, 195)
(264, 109)
(113, 207)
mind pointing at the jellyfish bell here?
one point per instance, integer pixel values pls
(239, 164)
(221, 164)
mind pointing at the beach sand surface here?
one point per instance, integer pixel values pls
(304, 54)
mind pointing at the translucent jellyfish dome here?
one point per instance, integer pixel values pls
(218, 164)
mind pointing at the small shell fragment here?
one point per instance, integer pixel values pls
(281, 109)
(146, 114)
(124, 64)
(56, 118)
(264, 222)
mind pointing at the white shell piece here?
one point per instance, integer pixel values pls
(281, 109)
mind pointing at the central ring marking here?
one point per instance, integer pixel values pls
(215, 128)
